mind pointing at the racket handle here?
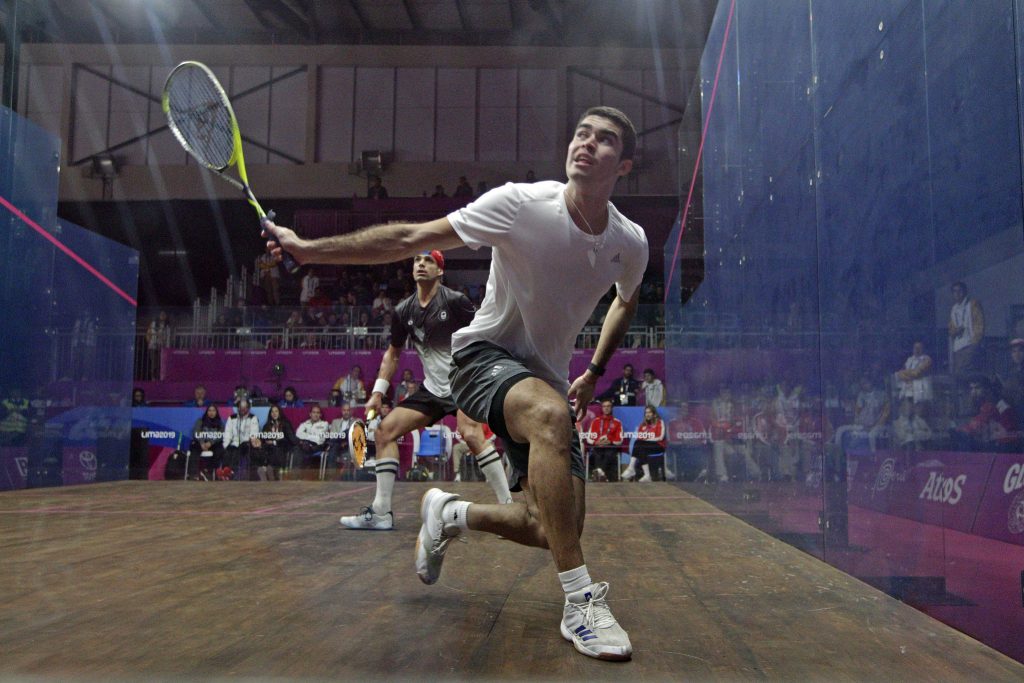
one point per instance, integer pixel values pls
(290, 264)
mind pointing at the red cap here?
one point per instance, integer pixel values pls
(437, 256)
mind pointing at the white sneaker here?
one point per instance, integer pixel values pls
(368, 519)
(587, 623)
(628, 474)
(434, 537)
(645, 478)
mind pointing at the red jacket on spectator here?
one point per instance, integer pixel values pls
(996, 422)
(605, 425)
(654, 433)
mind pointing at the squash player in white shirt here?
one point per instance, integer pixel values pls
(556, 249)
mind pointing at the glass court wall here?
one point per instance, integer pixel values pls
(848, 364)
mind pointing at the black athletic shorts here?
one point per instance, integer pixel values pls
(481, 376)
(430, 405)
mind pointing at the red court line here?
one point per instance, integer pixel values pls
(700, 150)
(60, 245)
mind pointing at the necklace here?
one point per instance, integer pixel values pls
(596, 242)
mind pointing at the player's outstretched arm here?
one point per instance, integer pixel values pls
(616, 323)
(376, 244)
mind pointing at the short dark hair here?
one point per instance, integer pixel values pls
(959, 284)
(622, 121)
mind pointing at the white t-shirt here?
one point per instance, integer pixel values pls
(542, 288)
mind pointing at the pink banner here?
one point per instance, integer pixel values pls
(1001, 515)
(934, 487)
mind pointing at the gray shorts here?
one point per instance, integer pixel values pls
(481, 376)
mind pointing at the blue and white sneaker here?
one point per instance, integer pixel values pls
(587, 623)
(368, 519)
(432, 543)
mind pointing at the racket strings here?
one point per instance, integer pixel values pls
(201, 117)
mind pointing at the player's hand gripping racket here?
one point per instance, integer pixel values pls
(200, 116)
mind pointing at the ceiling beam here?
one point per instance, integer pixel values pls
(208, 14)
(460, 5)
(414, 17)
(288, 16)
(364, 23)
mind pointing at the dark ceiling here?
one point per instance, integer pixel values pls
(626, 23)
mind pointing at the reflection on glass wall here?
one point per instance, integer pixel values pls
(851, 366)
(66, 344)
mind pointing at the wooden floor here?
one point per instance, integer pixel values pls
(190, 580)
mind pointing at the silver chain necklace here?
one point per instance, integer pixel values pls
(596, 242)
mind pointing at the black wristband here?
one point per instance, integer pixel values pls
(599, 371)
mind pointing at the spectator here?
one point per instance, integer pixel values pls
(623, 390)
(241, 393)
(206, 448)
(270, 277)
(138, 397)
(438, 192)
(241, 435)
(910, 430)
(338, 433)
(994, 425)
(481, 188)
(649, 448)
(290, 399)
(351, 385)
(382, 304)
(335, 399)
(312, 434)
(199, 399)
(531, 177)
(158, 337)
(1013, 382)
(871, 412)
(654, 390)
(966, 330)
(463, 189)
(14, 426)
(605, 440)
(279, 438)
(407, 387)
(310, 283)
(376, 189)
(914, 379)
(688, 443)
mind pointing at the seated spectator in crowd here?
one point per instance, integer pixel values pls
(138, 397)
(910, 430)
(312, 434)
(335, 399)
(605, 441)
(377, 189)
(241, 435)
(338, 433)
(382, 305)
(871, 413)
(290, 399)
(240, 393)
(438, 192)
(199, 399)
(653, 389)
(688, 443)
(914, 379)
(278, 439)
(623, 390)
(353, 391)
(994, 426)
(463, 189)
(206, 448)
(649, 448)
(1013, 381)
(407, 387)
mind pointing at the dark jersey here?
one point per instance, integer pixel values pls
(431, 328)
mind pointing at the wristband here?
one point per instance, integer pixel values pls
(381, 387)
(597, 370)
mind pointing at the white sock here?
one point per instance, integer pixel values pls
(456, 514)
(490, 464)
(632, 463)
(575, 579)
(387, 472)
